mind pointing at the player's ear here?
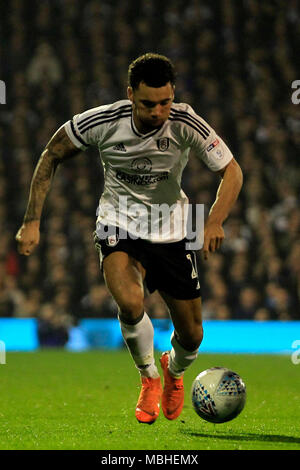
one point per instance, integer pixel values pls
(130, 93)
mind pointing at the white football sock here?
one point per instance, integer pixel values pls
(179, 358)
(139, 341)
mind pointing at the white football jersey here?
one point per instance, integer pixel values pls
(142, 189)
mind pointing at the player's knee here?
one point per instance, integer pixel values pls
(196, 337)
(131, 305)
(192, 338)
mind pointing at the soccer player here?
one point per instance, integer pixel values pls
(144, 142)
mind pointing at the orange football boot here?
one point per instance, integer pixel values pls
(173, 394)
(148, 405)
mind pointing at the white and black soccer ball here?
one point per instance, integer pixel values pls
(218, 394)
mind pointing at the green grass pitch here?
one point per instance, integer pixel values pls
(66, 400)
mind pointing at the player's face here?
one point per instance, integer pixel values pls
(151, 106)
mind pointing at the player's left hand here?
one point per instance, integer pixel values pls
(28, 237)
(213, 238)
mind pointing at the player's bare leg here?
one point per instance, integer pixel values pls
(124, 278)
(186, 339)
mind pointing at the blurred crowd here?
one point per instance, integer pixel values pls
(236, 62)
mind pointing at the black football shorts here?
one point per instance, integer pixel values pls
(170, 267)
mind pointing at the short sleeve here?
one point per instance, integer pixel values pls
(201, 137)
(215, 153)
(81, 129)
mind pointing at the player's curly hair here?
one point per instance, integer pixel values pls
(155, 70)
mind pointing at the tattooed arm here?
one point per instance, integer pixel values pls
(58, 149)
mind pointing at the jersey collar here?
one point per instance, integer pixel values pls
(143, 136)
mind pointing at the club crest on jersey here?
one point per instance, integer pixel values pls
(163, 144)
(112, 240)
(141, 165)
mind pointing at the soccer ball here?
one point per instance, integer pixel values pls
(218, 394)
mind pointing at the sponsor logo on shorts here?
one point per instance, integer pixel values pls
(112, 240)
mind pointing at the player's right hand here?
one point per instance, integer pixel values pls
(28, 237)
(213, 238)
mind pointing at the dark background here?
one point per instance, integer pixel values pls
(236, 61)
